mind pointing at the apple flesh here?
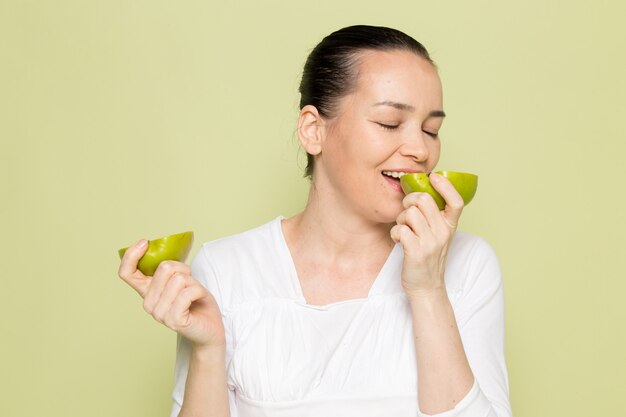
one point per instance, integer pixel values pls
(171, 248)
(465, 184)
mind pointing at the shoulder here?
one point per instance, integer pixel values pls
(465, 244)
(258, 239)
(238, 268)
(471, 261)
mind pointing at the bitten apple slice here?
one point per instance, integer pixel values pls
(465, 183)
(171, 248)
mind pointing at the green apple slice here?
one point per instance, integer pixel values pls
(171, 248)
(465, 184)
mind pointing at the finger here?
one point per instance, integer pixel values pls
(179, 312)
(454, 201)
(128, 267)
(164, 272)
(426, 205)
(401, 233)
(412, 199)
(172, 289)
(438, 225)
(395, 233)
(415, 220)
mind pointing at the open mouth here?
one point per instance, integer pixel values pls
(393, 178)
(394, 174)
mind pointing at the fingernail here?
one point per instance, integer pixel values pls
(142, 244)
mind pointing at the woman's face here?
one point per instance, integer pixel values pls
(388, 125)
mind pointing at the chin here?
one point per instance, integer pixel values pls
(388, 214)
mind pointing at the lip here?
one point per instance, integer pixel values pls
(407, 170)
(393, 183)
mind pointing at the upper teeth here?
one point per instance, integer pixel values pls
(395, 174)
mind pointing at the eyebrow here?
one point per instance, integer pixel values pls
(408, 107)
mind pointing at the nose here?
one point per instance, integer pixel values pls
(415, 147)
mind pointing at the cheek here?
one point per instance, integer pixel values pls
(435, 152)
(352, 146)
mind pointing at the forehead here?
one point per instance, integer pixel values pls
(398, 75)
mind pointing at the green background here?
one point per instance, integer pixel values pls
(128, 119)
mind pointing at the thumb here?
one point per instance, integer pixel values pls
(128, 267)
(454, 201)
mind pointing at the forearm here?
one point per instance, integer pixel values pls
(444, 375)
(206, 392)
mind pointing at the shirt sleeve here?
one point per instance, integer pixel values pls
(474, 404)
(480, 318)
(204, 272)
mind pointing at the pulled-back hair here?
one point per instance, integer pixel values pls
(330, 70)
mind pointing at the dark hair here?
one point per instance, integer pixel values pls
(330, 70)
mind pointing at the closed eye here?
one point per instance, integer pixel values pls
(431, 134)
(387, 127)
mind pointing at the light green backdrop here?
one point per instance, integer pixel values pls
(128, 119)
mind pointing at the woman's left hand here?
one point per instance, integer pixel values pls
(425, 233)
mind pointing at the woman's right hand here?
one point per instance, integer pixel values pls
(174, 298)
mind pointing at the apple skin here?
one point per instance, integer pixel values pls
(171, 248)
(465, 183)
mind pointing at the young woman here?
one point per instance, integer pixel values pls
(368, 303)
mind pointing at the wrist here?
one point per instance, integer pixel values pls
(425, 294)
(208, 353)
(428, 297)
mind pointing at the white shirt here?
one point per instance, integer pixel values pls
(286, 358)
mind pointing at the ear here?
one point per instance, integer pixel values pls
(311, 130)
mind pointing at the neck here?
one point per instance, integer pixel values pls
(329, 229)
